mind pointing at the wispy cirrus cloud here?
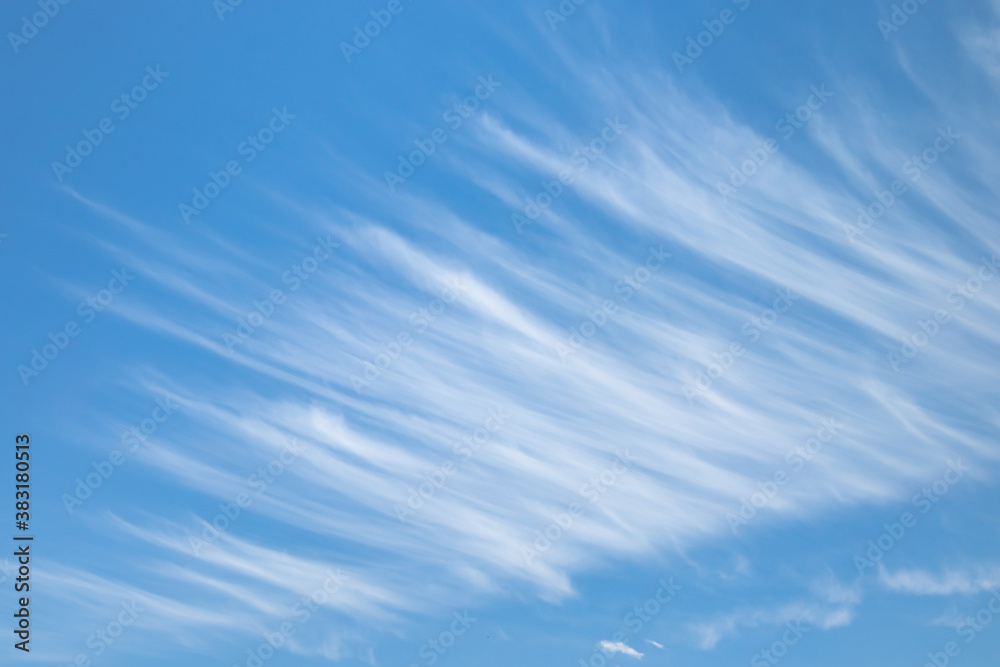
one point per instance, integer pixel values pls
(496, 345)
(831, 606)
(962, 581)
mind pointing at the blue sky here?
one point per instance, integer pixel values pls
(507, 333)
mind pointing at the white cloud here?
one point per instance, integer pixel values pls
(611, 648)
(968, 581)
(495, 346)
(950, 618)
(832, 607)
